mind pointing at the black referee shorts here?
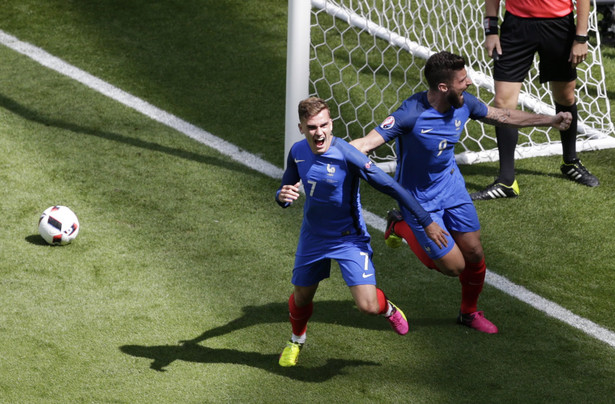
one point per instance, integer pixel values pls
(521, 38)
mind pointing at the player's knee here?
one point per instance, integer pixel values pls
(508, 100)
(564, 94)
(472, 253)
(303, 296)
(368, 307)
(452, 271)
(452, 264)
(567, 101)
(475, 255)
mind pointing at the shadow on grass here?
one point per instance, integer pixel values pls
(35, 116)
(470, 170)
(342, 313)
(164, 355)
(36, 239)
(332, 312)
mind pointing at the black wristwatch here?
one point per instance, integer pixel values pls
(581, 38)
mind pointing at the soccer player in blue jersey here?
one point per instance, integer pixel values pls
(426, 127)
(333, 226)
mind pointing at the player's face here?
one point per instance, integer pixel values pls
(318, 130)
(461, 81)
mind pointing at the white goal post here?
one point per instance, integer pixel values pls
(366, 56)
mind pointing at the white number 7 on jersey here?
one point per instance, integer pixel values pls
(313, 184)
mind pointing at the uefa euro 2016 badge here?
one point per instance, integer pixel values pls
(388, 122)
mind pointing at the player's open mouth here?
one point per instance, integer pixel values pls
(319, 141)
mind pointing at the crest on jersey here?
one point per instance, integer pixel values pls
(330, 169)
(388, 122)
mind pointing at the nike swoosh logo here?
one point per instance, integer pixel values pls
(426, 130)
(299, 161)
(367, 275)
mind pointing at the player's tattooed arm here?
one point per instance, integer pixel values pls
(497, 116)
(520, 119)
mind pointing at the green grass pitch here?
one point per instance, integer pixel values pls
(175, 290)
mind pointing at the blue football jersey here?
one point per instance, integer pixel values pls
(425, 142)
(332, 210)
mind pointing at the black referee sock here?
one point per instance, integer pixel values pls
(569, 136)
(507, 142)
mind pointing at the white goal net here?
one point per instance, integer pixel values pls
(366, 56)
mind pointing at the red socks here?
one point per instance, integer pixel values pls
(402, 229)
(382, 302)
(472, 280)
(299, 316)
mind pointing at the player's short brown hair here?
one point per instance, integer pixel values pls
(310, 107)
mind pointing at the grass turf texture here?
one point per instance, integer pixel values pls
(180, 244)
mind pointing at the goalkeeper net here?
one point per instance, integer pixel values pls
(367, 56)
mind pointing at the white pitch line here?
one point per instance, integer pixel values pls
(228, 149)
(551, 309)
(196, 133)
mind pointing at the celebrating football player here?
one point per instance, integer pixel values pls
(333, 226)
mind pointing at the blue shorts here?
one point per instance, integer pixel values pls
(354, 260)
(462, 218)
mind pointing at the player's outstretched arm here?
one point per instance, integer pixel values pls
(520, 119)
(384, 183)
(367, 143)
(387, 185)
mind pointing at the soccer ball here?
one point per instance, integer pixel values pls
(58, 225)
